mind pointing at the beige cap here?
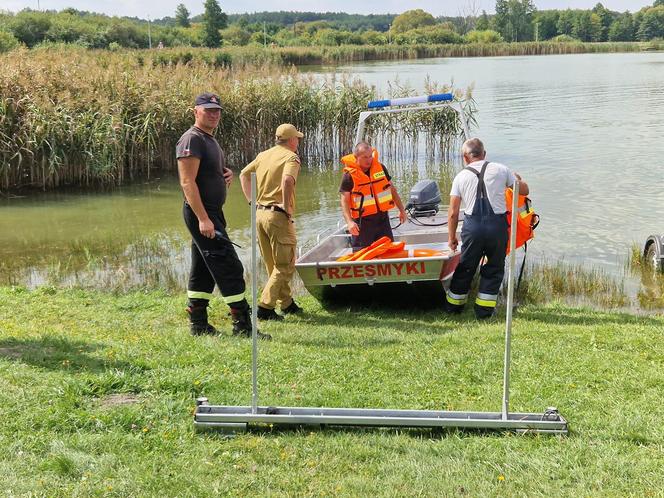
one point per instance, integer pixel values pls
(286, 131)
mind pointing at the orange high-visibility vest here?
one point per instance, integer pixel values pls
(526, 219)
(372, 192)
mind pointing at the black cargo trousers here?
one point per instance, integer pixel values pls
(213, 261)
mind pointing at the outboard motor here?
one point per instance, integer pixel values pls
(424, 198)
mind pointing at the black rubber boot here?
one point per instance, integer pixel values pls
(241, 317)
(452, 309)
(292, 309)
(198, 318)
(268, 314)
(484, 312)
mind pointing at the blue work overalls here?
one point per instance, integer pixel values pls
(484, 233)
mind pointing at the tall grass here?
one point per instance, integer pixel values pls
(77, 117)
(546, 281)
(650, 294)
(286, 56)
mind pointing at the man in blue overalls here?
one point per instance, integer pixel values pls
(480, 187)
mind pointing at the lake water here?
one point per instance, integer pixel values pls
(585, 131)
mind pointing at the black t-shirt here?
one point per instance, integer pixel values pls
(210, 177)
(347, 181)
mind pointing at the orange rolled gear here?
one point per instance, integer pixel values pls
(394, 247)
(357, 254)
(411, 253)
(376, 251)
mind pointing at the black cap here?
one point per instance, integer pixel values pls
(208, 101)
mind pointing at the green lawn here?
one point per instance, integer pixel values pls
(97, 392)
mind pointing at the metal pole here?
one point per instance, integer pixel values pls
(149, 35)
(254, 301)
(510, 302)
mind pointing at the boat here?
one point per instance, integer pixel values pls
(394, 281)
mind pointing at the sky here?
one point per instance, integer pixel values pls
(156, 9)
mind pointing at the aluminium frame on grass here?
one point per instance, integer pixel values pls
(239, 418)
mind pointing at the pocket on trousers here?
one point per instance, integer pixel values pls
(285, 232)
(287, 239)
(284, 254)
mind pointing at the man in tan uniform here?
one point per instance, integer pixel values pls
(276, 173)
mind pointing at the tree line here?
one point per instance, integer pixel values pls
(519, 20)
(513, 21)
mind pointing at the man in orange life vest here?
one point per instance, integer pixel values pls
(480, 186)
(366, 197)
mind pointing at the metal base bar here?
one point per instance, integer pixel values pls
(239, 417)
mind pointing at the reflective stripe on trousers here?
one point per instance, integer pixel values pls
(456, 299)
(486, 300)
(199, 295)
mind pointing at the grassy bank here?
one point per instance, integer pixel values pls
(78, 117)
(97, 391)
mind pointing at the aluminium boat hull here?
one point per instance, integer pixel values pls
(407, 281)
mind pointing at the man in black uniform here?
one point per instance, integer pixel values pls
(204, 178)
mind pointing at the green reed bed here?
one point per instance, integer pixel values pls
(651, 291)
(354, 53)
(76, 117)
(650, 294)
(546, 281)
(315, 55)
(539, 48)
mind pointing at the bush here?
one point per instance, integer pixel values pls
(485, 36)
(222, 59)
(235, 35)
(69, 28)
(564, 39)
(372, 37)
(430, 35)
(7, 41)
(326, 36)
(31, 27)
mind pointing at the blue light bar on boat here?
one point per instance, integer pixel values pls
(422, 99)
